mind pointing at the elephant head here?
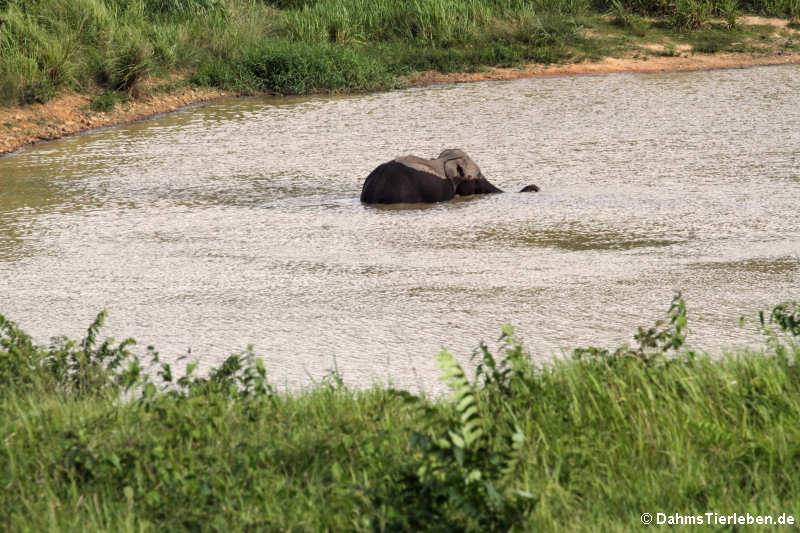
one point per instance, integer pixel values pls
(464, 173)
(412, 179)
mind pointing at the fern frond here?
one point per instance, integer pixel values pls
(466, 402)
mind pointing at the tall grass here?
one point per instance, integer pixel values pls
(114, 44)
(295, 68)
(50, 46)
(436, 22)
(92, 441)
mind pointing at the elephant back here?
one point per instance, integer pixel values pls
(406, 180)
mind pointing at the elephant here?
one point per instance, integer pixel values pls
(411, 179)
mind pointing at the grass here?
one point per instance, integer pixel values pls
(106, 101)
(303, 46)
(92, 441)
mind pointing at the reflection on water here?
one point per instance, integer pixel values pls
(239, 222)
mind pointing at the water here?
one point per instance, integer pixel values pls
(239, 223)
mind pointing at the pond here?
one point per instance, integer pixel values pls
(238, 223)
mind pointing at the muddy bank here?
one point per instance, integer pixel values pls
(70, 113)
(611, 65)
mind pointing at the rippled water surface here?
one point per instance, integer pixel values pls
(239, 222)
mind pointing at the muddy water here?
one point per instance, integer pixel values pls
(239, 222)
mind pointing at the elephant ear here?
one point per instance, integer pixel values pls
(454, 169)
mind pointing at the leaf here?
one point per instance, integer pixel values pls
(475, 475)
(468, 414)
(465, 402)
(471, 436)
(495, 497)
(149, 391)
(458, 453)
(456, 438)
(336, 471)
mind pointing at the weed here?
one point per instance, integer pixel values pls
(652, 343)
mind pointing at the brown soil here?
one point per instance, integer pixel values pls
(645, 63)
(749, 20)
(69, 113)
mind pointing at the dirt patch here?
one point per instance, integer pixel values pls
(612, 65)
(70, 113)
(662, 48)
(751, 20)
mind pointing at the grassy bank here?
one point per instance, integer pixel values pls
(119, 49)
(587, 444)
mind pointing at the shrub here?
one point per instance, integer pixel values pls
(103, 102)
(78, 367)
(297, 68)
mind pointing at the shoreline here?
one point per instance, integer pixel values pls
(69, 114)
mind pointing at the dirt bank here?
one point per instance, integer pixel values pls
(614, 65)
(70, 113)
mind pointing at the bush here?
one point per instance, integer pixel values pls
(105, 101)
(80, 368)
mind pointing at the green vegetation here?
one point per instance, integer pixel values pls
(93, 439)
(106, 101)
(306, 46)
